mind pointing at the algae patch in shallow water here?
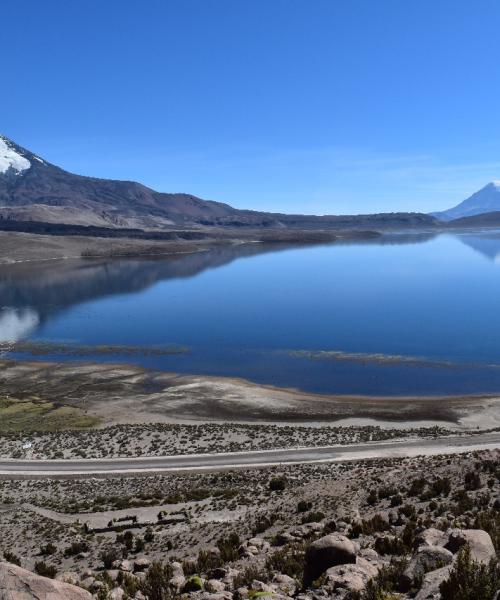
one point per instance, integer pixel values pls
(41, 348)
(382, 359)
(39, 415)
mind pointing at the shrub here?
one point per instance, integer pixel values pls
(76, 548)
(390, 545)
(288, 560)
(303, 506)
(155, 585)
(277, 484)
(228, 547)
(12, 558)
(313, 517)
(45, 570)
(108, 557)
(472, 480)
(396, 500)
(470, 580)
(384, 584)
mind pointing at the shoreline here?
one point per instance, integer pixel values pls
(127, 394)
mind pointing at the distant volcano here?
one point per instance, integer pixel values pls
(487, 200)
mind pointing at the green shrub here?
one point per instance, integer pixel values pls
(155, 585)
(277, 484)
(45, 570)
(48, 549)
(12, 558)
(470, 580)
(193, 584)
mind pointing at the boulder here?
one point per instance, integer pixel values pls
(479, 541)
(430, 585)
(351, 577)
(177, 569)
(215, 586)
(125, 566)
(427, 558)
(431, 537)
(116, 594)
(177, 582)
(285, 583)
(329, 551)
(141, 564)
(68, 577)
(19, 584)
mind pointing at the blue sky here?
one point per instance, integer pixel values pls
(313, 106)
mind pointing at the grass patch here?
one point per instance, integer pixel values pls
(43, 416)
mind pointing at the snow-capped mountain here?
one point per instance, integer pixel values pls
(32, 189)
(486, 200)
(11, 160)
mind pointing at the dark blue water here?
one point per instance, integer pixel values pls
(241, 311)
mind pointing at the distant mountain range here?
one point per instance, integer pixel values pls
(32, 189)
(487, 200)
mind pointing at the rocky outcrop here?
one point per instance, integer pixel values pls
(19, 584)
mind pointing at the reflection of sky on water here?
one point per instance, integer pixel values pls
(16, 324)
(430, 296)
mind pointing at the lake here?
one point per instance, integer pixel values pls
(407, 314)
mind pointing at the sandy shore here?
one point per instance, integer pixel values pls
(119, 394)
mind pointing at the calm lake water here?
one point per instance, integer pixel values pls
(428, 307)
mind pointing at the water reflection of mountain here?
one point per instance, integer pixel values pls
(51, 287)
(487, 244)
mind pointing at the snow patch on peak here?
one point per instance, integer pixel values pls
(10, 159)
(496, 183)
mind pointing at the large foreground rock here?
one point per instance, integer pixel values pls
(351, 577)
(431, 583)
(19, 584)
(328, 551)
(427, 558)
(479, 541)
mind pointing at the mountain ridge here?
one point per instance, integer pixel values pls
(44, 192)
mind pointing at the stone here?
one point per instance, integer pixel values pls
(176, 569)
(479, 541)
(177, 582)
(19, 584)
(328, 551)
(125, 566)
(431, 537)
(256, 541)
(141, 564)
(351, 577)
(215, 586)
(68, 577)
(116, 594)
(285, 583)
(427, 558)
(429, 589)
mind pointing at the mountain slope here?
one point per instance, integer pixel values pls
(486, 200)
(32, 189)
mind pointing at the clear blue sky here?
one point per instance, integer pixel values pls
(314, 106)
